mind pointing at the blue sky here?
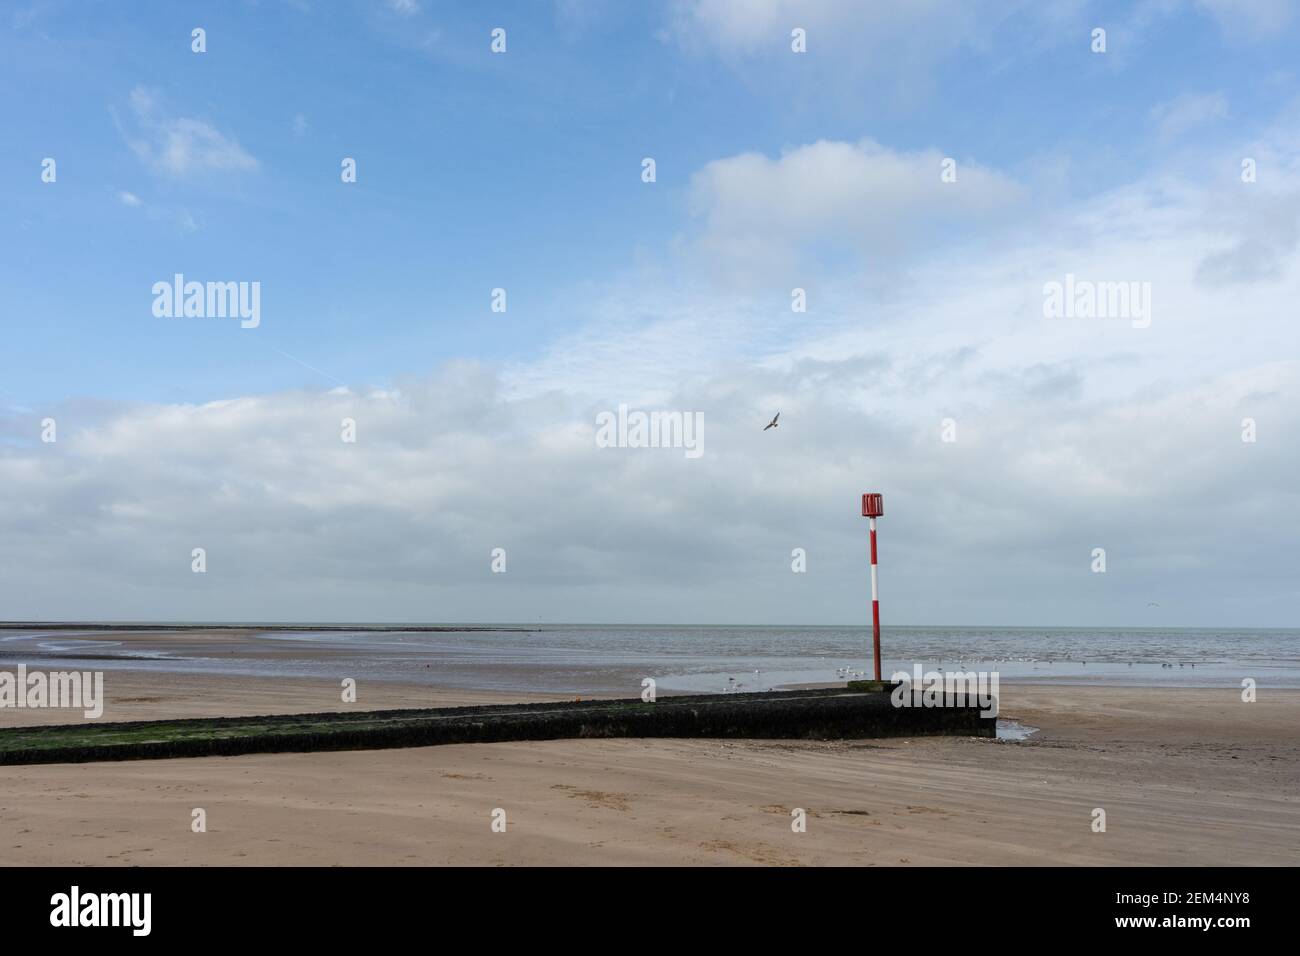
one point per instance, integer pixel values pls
(522, 171)
(477, 171)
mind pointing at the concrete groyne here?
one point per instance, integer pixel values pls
(826, 714)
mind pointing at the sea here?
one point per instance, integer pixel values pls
(613, 659)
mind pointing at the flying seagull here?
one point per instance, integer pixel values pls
(772, 423)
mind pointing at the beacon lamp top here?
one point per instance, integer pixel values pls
(873, 506)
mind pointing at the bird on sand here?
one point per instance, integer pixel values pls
(772, 423)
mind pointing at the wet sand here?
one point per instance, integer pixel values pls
(1186, 777)
(133, 695)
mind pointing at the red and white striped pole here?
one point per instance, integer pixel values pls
(873, 506)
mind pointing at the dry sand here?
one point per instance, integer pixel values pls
(1187, 777)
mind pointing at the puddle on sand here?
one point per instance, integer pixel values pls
(1013, 730)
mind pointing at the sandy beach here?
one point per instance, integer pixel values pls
(1186, 777)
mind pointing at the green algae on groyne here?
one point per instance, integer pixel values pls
(827, 714)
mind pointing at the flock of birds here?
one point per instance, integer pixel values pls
(848, 673)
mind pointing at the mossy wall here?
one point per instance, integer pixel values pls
(809, 714)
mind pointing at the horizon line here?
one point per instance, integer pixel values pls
(534, 625)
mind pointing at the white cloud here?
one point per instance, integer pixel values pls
(581, 14)
(128, 199)
(758, 213)
(406, 8)
(995, 528)
(1177, 116)
(894, 42)
(180, 146)
(1250, 19)
(751, 26)
(1072, 434)
(190, 145)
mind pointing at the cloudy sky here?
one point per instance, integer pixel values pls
(1009, 445)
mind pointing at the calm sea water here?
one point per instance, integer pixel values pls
(614, 659)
